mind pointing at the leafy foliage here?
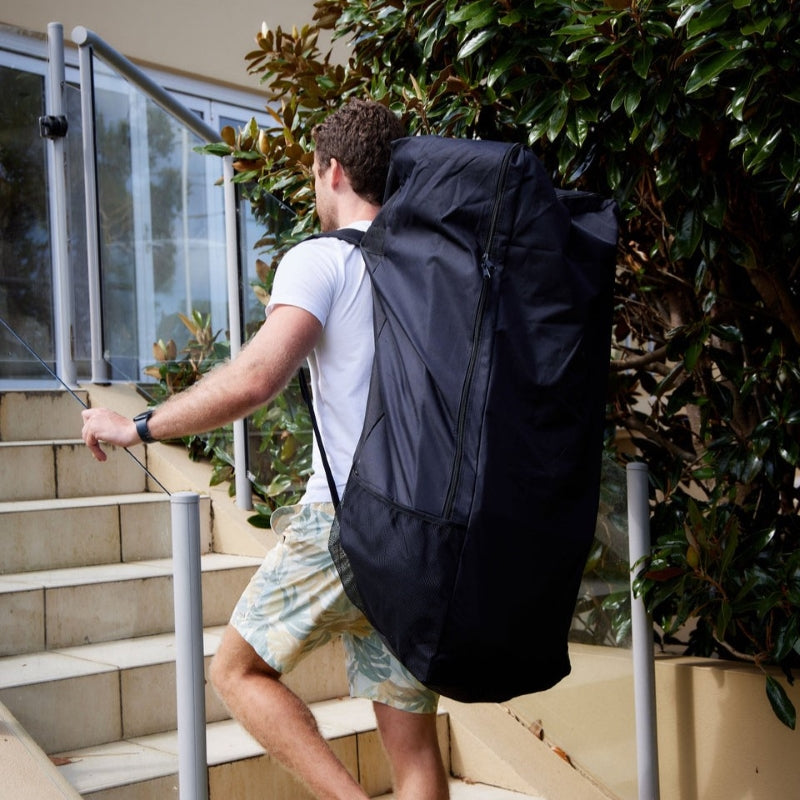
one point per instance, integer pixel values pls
(687, 112)
(280, 434)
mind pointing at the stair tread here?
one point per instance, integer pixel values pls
(63, 503)
(101, 767)
(92, 769)
(92, 659)
(107, 573)
(48, 442)
(467, 790)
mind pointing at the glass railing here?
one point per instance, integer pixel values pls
(25, 298)
(165, 235)
(161, 229)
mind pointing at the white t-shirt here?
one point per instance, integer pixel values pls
(327, 278)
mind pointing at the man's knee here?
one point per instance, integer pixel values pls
(234, 661)
(406, 733)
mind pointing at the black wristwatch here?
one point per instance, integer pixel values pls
(141, 425)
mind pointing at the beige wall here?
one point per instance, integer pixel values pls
(717, 736)
(204, 38)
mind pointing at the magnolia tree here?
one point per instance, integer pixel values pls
(688, 114)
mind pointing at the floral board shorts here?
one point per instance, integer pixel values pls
(295, 602)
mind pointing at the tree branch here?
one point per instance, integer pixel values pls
(634, 362)
(634, 424)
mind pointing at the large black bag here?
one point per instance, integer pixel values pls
(467, 517)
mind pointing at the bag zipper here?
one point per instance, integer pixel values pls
(487, 269)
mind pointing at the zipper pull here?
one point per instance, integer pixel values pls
(487, 267)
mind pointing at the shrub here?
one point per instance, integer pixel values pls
(687, 112)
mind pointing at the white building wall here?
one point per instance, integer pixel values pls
(207, 39)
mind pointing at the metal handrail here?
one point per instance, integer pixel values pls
(89, 44)
(86, 38)
(644, 689)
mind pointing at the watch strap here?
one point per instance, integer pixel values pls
(141, 420)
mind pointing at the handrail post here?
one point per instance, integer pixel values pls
(240, 459)
(189, 670)
(642, 633)
(56, 166)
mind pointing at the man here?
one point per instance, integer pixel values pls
(320, 309)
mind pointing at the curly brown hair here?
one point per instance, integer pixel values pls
(359, 136)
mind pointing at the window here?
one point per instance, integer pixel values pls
(160, 212)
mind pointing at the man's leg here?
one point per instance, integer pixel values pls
(278, 719)
(413, 748)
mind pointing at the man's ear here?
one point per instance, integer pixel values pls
(337, 173)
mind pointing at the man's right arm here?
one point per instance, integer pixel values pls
(229, 392)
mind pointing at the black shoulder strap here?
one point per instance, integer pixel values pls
(353, 236)
(306, 392)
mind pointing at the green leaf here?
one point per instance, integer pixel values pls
(474, 43)
(711, 17)
(723, 619)
(692, 355)
(688, 13)
(758, 26)
(632, 99)
(688, 235)
(219, 149)
(557, 120)
(787, 637)
(511, 19)
(737, 105)
(501, 67)
(642, 59)
(279, 485)
(709, 69)
(467, 12)
(781, 704)
(729, 333)
(760, 151)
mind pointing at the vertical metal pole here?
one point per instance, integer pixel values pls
(242, 483)
(642, 631)
(189, 672)
(99, 366)
(56, 171)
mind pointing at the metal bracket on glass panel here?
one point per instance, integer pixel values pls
(53, 127)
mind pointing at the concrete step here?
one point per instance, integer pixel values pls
(468, 790)
(50, 609)
(238, 767)
(72, 532)
(35, 470)
(41, 414)
(94, 694)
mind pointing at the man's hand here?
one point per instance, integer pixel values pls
(104, 425)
